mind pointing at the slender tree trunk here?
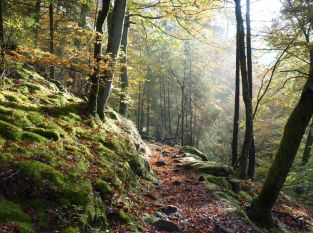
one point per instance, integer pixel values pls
(148, 102)
(51, 46)
(249, 66)
(139, 107)
(94, 79)
(1, 25)
(1, 40)
(299, 119)
(237, 108)
(37, 20)
(182, 116)
(191, 121)
(124, 70)
(114, 42)
(308, 145)
(169, 110)
(242, 162)
(165, 110)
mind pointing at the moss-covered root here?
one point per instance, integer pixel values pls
(259, 215)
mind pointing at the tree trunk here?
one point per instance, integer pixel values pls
(94, 79)
(148, 102)
(51, 45)
(124, 71)
(249, 66)
(242, 162)
(169, 110)
(1, 24)
(1, 39)
(114, 42)
(139, 107)
(182, 116)
(298, 121)
(237, 109)
(37, 20)
(308, 145)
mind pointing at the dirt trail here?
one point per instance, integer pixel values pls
(198, 210)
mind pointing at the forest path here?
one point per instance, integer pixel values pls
(198, 211)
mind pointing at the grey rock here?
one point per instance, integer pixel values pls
(165, 225)
(169, 209)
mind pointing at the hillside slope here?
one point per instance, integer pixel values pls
(62, 171)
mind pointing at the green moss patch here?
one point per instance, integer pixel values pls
(67, 167)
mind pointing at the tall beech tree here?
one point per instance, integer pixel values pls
(94, 79)
(123, 106)
(249, 70)
(234, 144)
(113, 47)
(299, 119)
(242, 162)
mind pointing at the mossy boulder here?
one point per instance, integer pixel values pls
(218, 180)
(210, 168)
(195, 151)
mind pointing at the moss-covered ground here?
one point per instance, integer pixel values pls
(60, 170)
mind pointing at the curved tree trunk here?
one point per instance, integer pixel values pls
(242, 162)
(94, 79)
(298, 121)
(114, 42)
(308, 145)
(123, 108)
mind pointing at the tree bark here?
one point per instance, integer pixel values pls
(1, 25)
(298, 121)
(123, 108)
(37, 20)
(308, 145)
(249, 66)
(182, 116)
(51, 44)
(114, 42)
(148, 101)
(94, 79)
(242, 162)
(237, 107)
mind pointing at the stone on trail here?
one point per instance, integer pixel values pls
(160, 163)
(169, 209)
(177, 182)
(165, 225)
(221, 229)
